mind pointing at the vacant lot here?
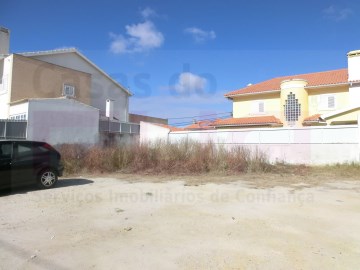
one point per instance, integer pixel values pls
(133, 222)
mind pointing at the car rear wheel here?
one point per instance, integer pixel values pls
(47, 179)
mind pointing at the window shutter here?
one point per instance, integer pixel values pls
(261, 107)
(331, 102)
(258, 107)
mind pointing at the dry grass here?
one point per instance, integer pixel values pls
(200, 163)
(163, 158)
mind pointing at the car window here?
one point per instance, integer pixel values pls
(5, 150)
(26, 149)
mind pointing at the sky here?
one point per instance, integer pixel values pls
(179, 58)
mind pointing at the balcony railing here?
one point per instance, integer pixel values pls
(119, 127)
(13, 129)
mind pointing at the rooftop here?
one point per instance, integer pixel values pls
(317, 79)
(249, 121)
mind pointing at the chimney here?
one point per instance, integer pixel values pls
(354, 77)
(354, 65)
(4, 41)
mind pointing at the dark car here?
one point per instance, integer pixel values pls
(28, 162)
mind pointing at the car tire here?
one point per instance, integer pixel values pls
(47, 179)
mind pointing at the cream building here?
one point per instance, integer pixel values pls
(321, 98)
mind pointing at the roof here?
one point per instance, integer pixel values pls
(200, 125)
(74, 50)
(337, 112)
(313, 118)
(317, 79)
(57, 98)
(248, 121)
(168, 127)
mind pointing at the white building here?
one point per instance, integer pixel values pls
(46, 87)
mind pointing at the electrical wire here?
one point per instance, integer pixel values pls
(195, 116)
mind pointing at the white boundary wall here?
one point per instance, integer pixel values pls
(58, 121)
(310, 145)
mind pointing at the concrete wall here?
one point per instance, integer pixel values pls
(137, 118)
(5, 87)
(101, 87)
(58, 121)
(152, 133)
(354, 94)
(312, 145)
(37, 79)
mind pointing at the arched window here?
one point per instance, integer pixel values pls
(292, 109)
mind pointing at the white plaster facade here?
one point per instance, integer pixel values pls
(59, 121)
(5, 86)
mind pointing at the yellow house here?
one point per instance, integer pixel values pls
(321, 98)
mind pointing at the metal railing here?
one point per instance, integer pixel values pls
(13, 129)
(119, 127)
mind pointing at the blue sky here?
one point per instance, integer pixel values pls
(180, 57)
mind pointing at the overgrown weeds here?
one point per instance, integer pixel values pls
(187, 158)
(163, 158)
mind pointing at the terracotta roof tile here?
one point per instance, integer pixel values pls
(200, 125)
(169, 127)
(315, 117)
(245, 121)
(313, 79)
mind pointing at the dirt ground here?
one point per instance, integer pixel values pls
(138, 222)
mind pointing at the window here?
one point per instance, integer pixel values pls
(292, 109)
(258, 107)
(19, 117)
(26, 149)
(5, 150)
(69, 90)
(327, 102)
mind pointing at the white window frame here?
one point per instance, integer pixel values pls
(323, 102)
(19, 117)
(256, 105)
(68, 87)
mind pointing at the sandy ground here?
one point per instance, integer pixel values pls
(108, 223)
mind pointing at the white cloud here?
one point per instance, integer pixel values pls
(337, 14)
(141, 37)
(189, 83)
(147, 13)
(200, 35)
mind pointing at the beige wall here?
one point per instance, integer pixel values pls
(243, 106)
(341, 99)
(344, 118)
(36, 79)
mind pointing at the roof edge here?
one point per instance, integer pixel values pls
(76, 51)
(329, 115)
(251, 94)
(326, 85)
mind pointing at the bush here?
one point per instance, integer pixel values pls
(184, 157)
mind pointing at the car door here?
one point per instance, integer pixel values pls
(23, 167)
(6, 153)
